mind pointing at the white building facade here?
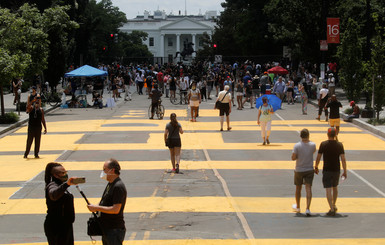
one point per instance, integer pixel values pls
(168, 35)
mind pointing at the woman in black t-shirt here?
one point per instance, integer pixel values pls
(173, 141)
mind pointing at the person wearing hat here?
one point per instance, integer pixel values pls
(255, 88)
(332, 152)
(356, 111)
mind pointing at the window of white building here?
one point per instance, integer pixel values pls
(151, 40)
(170, 43)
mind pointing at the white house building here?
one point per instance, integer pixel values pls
(168, 34)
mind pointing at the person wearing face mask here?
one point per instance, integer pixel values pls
(60, 205)
(111, 206)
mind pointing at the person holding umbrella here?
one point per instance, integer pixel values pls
(264, 119)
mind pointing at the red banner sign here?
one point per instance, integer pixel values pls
(333, 30)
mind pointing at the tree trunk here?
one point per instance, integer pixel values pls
(2, 100)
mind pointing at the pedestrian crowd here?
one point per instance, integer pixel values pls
(201, 82)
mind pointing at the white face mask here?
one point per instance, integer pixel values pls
(103, 175)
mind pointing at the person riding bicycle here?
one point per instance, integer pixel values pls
(155, 97)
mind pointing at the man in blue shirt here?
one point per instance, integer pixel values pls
(279, 89)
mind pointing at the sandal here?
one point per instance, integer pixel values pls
(229, 128)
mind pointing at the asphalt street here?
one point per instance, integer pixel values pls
(231, 189)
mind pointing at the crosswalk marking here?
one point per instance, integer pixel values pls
(205, 204)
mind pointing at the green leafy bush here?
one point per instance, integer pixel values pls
(9, 118)
(375, 122)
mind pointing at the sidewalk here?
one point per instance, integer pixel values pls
(360, 122)
(23, 117)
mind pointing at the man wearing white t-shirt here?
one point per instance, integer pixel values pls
(225, 98)
(322, 101)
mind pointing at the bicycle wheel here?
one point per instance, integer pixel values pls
(175, 100)
(160, 112)
(53, 100)
(149, 112)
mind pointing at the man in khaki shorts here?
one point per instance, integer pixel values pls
(304, 172)
(334, 117)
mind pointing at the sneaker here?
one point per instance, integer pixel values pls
(177, 168)
(25, 156)
(151, 117)
(229, 128)
(295, 209)
(221, 129)
(173, 170)
(267, 141)
(264, 143)
(37, 156)
(308, 214)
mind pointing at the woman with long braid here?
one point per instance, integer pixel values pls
(60, 205)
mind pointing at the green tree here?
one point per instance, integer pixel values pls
(22, 42)
(133, 47)
(58, 25)
(350, 60)
(375, 68)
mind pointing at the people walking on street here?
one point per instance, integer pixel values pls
(264, 119)
(331, 84)
(332, 152)
(111, 206)
(16, 85)
(304, 99)
(194, 99)
(290, 91)
(264, 81)
(239, 93)
(323, 99)
(225, 98)
(334, 116)
(173, 141)
(279, 89)
(60, 205)
(36, 119)
(304, 172)
(155, 95)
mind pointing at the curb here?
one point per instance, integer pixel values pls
(19, 123)
(359, 123)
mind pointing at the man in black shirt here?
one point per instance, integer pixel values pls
(332, 151)
(36, 119)
(334, 116)
(111, 207)
(155, 97)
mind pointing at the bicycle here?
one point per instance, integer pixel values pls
(180, 98)
(49, 97)
(159, 110)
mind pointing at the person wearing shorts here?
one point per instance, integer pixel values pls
(304, 172)
(225, 108)
(194, 99)
(332, 152)
(334, 115)
(173, 141)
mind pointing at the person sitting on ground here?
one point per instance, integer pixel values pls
(97, 99)
(356, 111)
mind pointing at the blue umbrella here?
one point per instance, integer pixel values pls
(272, 100)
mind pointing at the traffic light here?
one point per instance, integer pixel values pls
(214, 45)
(104, 48)
(111, 35)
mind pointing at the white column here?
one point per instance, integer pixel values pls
(161, 51)
(193, 41)
(177, 42)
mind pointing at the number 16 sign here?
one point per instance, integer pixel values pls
(333, 30)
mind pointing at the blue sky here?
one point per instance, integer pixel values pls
(134, 7)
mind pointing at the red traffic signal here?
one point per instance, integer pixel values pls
(104, 48)
(112, 35)
(214, 45)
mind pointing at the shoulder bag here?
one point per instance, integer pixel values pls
(218, 104)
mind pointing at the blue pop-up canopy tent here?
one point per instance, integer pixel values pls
(86, 71)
